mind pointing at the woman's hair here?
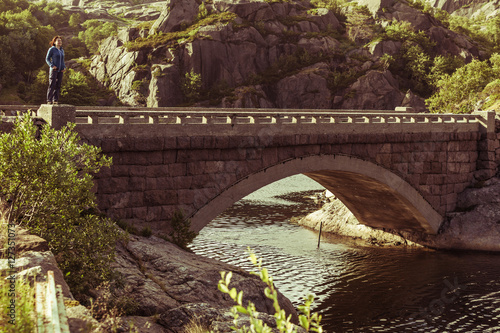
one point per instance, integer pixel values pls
(53, 41)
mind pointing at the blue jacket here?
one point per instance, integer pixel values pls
(55, 57)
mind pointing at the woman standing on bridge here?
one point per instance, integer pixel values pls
(55, 60)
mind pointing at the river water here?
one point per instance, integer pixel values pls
(357, 288)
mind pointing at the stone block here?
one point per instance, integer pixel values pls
(213, 154)
(184, 156)
(169, 156)
(466, 168)
(402, 168)
(202, 181)
(487, 156)
(186, 196)
(148, 144)
(182, 181)
(169, 143)
(57, 116)
(486, 165)
(234, 154)
(254, 153)
(214, 167)
(222, 142)
(177, 169)
(183, 142)
(254, 165)
(113, 185)
(156, 170)
(459, 156)
(326, 149)
(140, 213)
(453, 167)
(416, 167)
(346, 149)
(285, 153)
(197, 142)
(160, 197)
(209, 142)
(196, 168)
(384, 160)
(122, 170)
(153, 214)
(137, 184)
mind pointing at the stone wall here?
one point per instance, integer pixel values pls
(151, 178)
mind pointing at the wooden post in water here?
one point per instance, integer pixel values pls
(319, 236)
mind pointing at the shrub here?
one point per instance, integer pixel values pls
(94, 31)
(191, 86)
(458, 92)
(47, 184)
(76, 89)
(182, 234)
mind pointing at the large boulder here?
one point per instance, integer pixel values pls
(307, 89)
(451, 43)
(164, 87)
(373, 91)
(247, 97)
(160, 277)
(175, 15)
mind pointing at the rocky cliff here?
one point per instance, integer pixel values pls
(266, 54)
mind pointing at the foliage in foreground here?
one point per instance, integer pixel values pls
(47, 184)
(310, 322)
(24, 297)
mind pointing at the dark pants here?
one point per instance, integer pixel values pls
(55, 79)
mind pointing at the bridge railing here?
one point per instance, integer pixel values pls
(232, 117)
(87, 116)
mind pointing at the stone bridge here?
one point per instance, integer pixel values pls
(392, 169)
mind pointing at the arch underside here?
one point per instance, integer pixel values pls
(376, 196)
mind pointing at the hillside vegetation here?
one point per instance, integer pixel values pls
(282, 54)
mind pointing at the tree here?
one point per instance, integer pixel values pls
(46, 184)
(458, 92)
(95, 31)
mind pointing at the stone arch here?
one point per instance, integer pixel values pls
(375, 195)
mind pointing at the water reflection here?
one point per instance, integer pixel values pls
(358, 289)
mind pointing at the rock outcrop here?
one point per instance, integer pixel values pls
(162, 288)
(279, 54)
(473, 226)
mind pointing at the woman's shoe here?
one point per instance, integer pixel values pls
(49, 102)
(55, 103)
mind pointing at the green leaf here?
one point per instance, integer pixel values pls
(304, 322)
(233, 293)
(223, 288)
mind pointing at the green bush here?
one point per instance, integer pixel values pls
(191, 86)
(47, 183)
(182, 234)
(459, 92)
(94, 31)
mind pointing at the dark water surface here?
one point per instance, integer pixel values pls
(357, 288)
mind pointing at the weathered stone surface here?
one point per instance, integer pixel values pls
(305, 90)
(175, 14)
(162, 277)
(375, 90)
(164, 87)
(32, 262)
